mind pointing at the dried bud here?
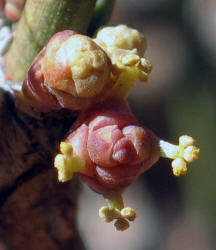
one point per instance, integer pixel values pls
(72, 69)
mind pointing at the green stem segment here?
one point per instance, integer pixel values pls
(40, 20)
(101, 16)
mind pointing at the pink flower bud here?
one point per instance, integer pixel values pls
(72, 72)
(115, 148)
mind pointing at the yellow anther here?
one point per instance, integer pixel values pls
(64, 173)
(108, 214)
(191, 153)
(179, 167)
(121, 224)
(128, 213)
(66, 148)
(181, 154)
(130, 59)
(186, 141)
(146, 65)
(143, 76)
(104, 213)
(66, 163)
(116, 211)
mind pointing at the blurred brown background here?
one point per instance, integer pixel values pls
(173, 213)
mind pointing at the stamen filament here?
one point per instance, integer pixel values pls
(168, 150)
(125, 83)
(66, 163)
(115, 202)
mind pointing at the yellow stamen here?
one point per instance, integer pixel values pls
(181, 154)
(179, 167)
(186, 141)
(66, 163)
(116, 211)
(128, 213)
(191, 153)
(66, 148)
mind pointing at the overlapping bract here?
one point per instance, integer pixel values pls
(115, 148)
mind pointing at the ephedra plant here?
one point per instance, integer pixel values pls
(65, 113)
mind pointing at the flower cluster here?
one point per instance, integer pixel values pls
(74, 71)
(110, 149)
(106, 146)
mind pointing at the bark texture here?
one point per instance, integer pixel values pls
(36, 212)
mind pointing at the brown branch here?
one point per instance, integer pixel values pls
(35, 210)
